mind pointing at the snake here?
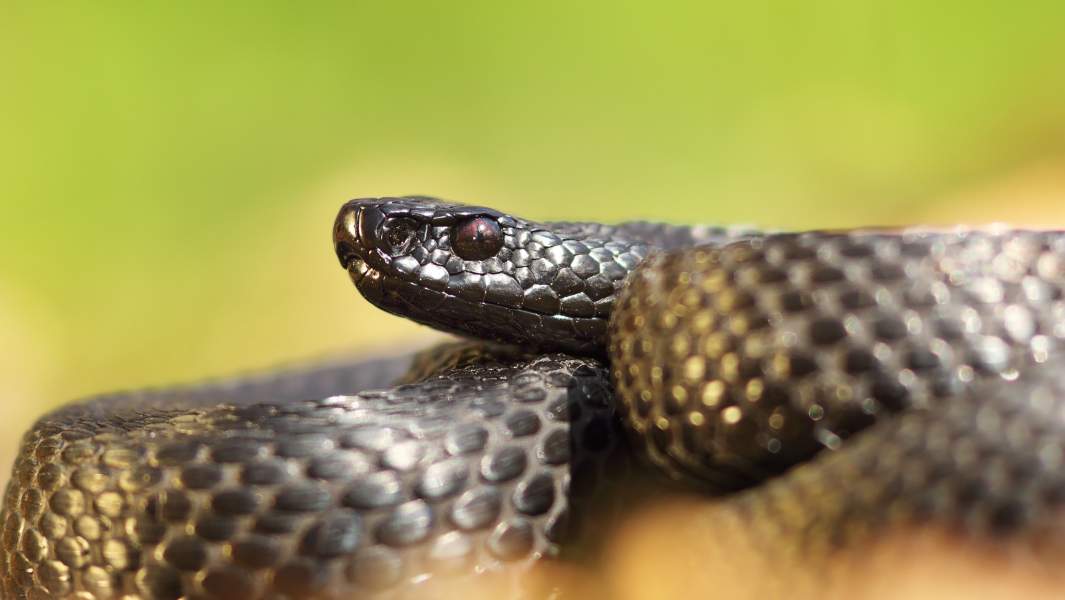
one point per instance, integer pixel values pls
(821, 388)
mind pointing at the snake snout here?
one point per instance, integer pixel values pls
(353, 230)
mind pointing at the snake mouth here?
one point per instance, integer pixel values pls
(349, 241)
(358, 270)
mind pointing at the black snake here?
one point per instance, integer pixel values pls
(735, 361)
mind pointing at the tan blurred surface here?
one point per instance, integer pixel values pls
(1032, 195)
(680, 549)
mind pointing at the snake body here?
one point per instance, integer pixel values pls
(843, 382)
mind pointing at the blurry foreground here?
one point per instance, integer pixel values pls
(677, 550)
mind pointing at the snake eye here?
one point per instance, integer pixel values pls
(397, 235)
(477, 238)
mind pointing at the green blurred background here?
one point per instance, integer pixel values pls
(169, 172)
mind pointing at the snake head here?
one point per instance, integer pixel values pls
(416, 239)
(479, 272)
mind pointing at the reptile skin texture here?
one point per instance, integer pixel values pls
(734, 363)
(737, 363)
(347, 495)
(822, 387)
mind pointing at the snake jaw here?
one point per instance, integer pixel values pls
(354, 241)
(359, 270)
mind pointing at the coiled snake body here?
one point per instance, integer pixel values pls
(728, 359)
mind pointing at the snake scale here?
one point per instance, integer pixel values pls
(826, 386)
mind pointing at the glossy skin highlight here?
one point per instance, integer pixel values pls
(860, 385)
(535, 284)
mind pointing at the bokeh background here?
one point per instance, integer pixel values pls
(169, 171)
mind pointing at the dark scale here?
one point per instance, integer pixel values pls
(257, 514)
(846, 378)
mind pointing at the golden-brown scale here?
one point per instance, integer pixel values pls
(739, 362)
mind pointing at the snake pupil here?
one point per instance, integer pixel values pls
(477, 238)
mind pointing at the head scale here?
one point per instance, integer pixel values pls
(478, 272)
